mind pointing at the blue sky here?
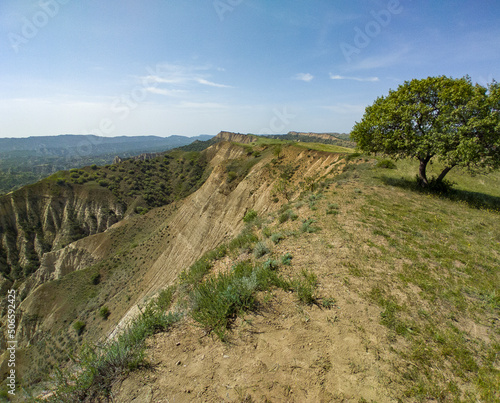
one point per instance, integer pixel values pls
(158, 67)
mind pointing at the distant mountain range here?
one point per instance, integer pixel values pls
(27, 160)
(85, 145)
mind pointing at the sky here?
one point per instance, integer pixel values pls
(177, 67)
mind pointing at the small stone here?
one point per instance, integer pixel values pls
(178, 363)
(178, 343)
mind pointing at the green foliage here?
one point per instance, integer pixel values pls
(287, 259)
(104, 312)
(449, 119)
(266, 232)
(328, 303)
(287, 215)
(333, 208)
(250, 216)
(305, 286)
(231, 176)
(100, 366)
(308, 227)
(217, 300)
(387, 164)
(276, 237)
(260, 249)
(196, 272)
(165, 298)
(79, 327)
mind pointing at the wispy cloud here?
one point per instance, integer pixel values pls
(164, 91)
(402, 55)
(303, 77)
(178, 75)
(362, 79)
(211, 84)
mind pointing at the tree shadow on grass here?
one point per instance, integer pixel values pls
(477, 200)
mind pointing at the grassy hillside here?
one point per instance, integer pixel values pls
(361, 288)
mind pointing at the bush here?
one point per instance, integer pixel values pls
(287, 259)
(165, 298)
(250, 216)
(218, 300)
(96, 278)
(333, 208)
(305, 286)
(196, 272)
(231, 176)
(104, 312)
(287, 215)
(307, 226)
(388, 164)
(79, 327)
(101, 366)
(278, 236)
(270, 264)
(260, 249)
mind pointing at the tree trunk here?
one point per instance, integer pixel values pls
(422, 175)
(443, 174)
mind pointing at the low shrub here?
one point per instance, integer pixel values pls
(104, 312)
(287, 259)
(250, 216)
(276, 237)
(79, 327)
(260, 249)
(305, 286)
(387, 164)
(101, 366)
(308, 227)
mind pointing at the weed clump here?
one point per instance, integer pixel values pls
(276, 237)
(79, 327)
(305, 286)
(386, 163)
(250, 216)
(308, 227)
(260, 249)
(104, 312)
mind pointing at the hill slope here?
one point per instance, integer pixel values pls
(404, 306)
(291, 274)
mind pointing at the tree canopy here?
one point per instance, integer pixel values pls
(453, 120)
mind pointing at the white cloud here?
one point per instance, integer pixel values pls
(304, 77)
(362, 79)
(211, 84)
(181, 75)
(163, 91)
(382, 61)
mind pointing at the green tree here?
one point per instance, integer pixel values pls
(452, 120)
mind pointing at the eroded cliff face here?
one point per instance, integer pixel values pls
(140, 255)
(236, 137)
(214, 214)
(44, 217)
